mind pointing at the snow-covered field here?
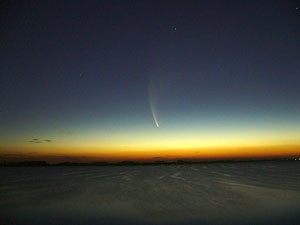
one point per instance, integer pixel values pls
(216, 193)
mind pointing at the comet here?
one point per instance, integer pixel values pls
(153, 110)
(153, 105)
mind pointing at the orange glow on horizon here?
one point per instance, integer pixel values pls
(96, 154)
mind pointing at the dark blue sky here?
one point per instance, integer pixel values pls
(87, 66)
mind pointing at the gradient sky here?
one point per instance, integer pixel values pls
(85, 79)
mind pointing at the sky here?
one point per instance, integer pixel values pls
(149, 80)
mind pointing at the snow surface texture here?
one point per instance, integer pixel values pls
(216, 193)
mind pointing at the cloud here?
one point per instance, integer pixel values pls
(39, 140)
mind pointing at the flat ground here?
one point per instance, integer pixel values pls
(216, 193)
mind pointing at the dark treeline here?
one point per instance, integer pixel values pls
(136, 163)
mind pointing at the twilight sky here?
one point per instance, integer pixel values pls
(92, 80)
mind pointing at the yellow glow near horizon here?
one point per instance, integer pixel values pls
(137, 153)
(163, 143)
